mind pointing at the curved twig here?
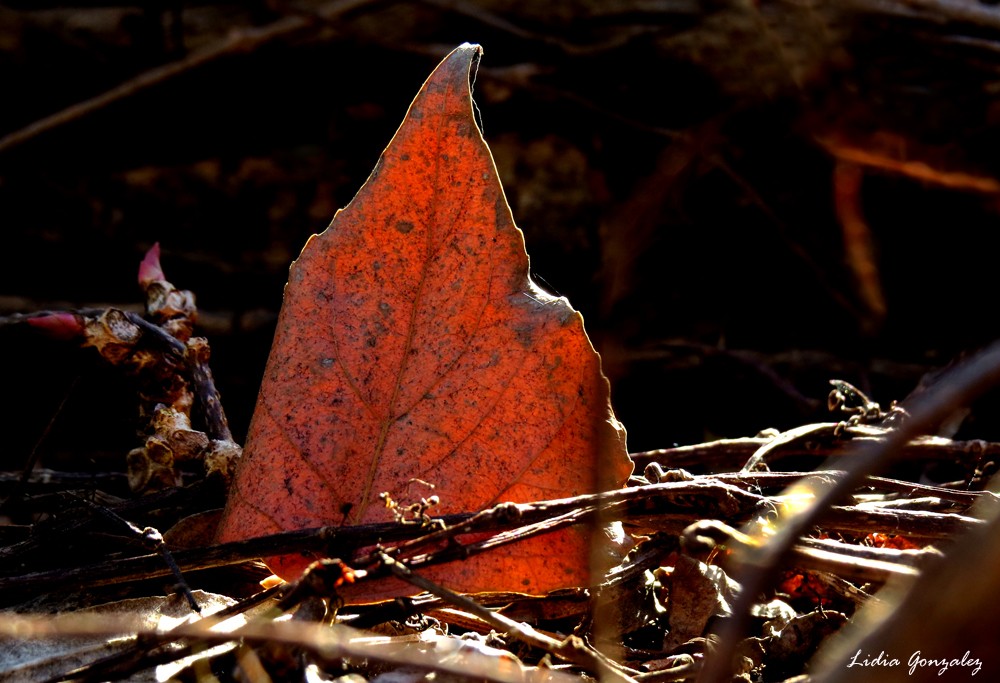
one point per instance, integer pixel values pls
(963, 384)
(242, 41)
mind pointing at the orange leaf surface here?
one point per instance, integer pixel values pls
(412, 344)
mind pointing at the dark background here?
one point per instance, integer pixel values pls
(671, 165)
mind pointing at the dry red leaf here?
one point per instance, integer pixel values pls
(878, 540)
(804, 585)
(412, 345)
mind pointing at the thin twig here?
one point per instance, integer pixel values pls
(147, 652)
(216, 424)
(330, 644)
(572, 649)
(238, 42)
(198, 494)
(811, 431)
(151, 539)
(669, 506)
(44, 479)
(961, 385)
(728, 454)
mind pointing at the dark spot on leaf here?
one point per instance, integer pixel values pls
(404, 226)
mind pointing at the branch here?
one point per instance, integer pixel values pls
(573, 649)
(960, 386)
(238, 42)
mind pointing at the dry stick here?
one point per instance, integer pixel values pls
(152, 539)
(680, 503)
(197, 492)
(856, 569)
(758, 460)
(240, 41)
(688, 500)
(684, 668)
(912, 523)
(960, 386)
(327, 643)
(148, 652)
(876, 565)
(366, 616)
(45, 480)
(216, 424)
(784, 479)
(238, 552)
(912, 558)
(852, 562)
(162, 339)
(628, 503)
(872, 564)
(572, 649)
(732, 453)
(456, 551)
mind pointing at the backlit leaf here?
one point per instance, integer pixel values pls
(412, 345)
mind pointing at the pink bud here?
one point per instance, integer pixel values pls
(150, 270)
(63, 326)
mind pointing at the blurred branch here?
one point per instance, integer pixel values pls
(239, 41)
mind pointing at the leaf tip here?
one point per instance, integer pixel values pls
(468, 54)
